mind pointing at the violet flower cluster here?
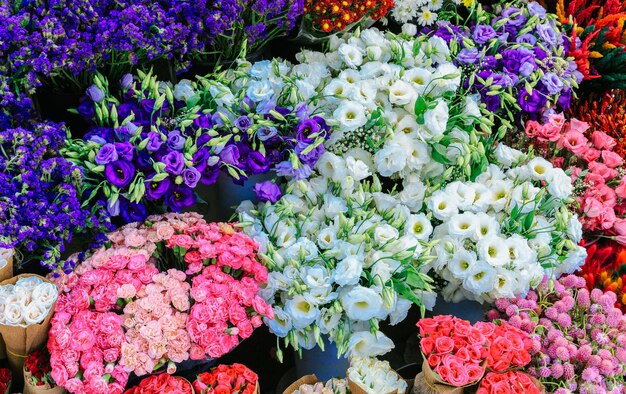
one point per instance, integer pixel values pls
(579, 336)
(41, 195)
(152, 144)
(516, 58)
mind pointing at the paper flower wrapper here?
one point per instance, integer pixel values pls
(427, 382)
(30, 388)
(22, 341)
(6, 272)
(356, 389)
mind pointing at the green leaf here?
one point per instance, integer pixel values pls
(439, 154)
(421, 106)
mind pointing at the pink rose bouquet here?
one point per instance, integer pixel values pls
(511, 382)
(579, 336)
(171, 289)
(597, 171)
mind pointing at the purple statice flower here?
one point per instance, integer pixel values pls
(41, 197)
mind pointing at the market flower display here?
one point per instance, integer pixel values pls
(26, 302)
(342, 257)
(171, 289)
(577, 334)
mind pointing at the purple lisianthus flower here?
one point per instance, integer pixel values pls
(535, 8)
(527, 68)
(526, 39)
(191, 177)
(113, 208)
(514, 58)
(516, 18)
(257, 163)
(531, 103)
(483, 33)
(565, 98)
(540, 53)
(127, 81)
(552, 82)
(85, 108)
(106, 154)
(156, 190)
(179, 198)
(265, 106)
(201, 158)
(492, 102)
(203, 121)
(95, 94)
(302, 111)
(174, 162)
(132, 212)
(489, 62)
(311, 157)
(264, 133)
(154, 141)
(285, 168)
(243, 122)
(468, 56)
(230, 155)
(210, 174)
(267, 191)
(175, 140)
(547, 34)
(125, 150)
(119, 173)
(305, 128)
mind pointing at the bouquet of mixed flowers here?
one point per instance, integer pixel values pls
(162, 383)
(605, 268)
(37, 377)
(41, 196)
(342, 257)
(228, 379)
(516, 57)
(578, 335)
(170, 289)
(598, 173)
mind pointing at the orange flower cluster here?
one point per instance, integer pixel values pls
(605, 269)
(605, 112)
(332, 16)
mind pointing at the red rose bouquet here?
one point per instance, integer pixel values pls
(227, 379)
(163, 383)
(508, 382)
(37, 374)
(5, 380)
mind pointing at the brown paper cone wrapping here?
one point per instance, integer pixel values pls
(21, 341)
(258, 389)
(307, 379)
(30, 388)
(356, 389)
(428, 382)
(6, 272)
(539, 385)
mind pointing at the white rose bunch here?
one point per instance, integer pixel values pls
(341, 259)
(375, 376)
(333, 386)
(27, 302)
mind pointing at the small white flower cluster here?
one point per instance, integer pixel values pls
(341, 256)
(424, 12)
(375, 376)
(498, 236)
(27, 302)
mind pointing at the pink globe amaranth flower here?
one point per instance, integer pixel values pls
(556, 370)
(591, 374)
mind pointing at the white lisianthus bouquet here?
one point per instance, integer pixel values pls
(375, 377)
(26, 302)
(342, 257)
(499, 235)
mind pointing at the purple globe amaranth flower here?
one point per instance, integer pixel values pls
(106, 154)
(265, 133)
(156, 190)
(267, 191)
(179, 198)
(119, 173)
(257, 163)
(243, 122)
(175, 140)
(125, 150)
(483, 33)
(95, 94)
(154, 141)
(230, 155)
(132, 212)
(468, 56)
(174, 162)
(127, 81)
(191, 177)
(532, 102)
(552, 82)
